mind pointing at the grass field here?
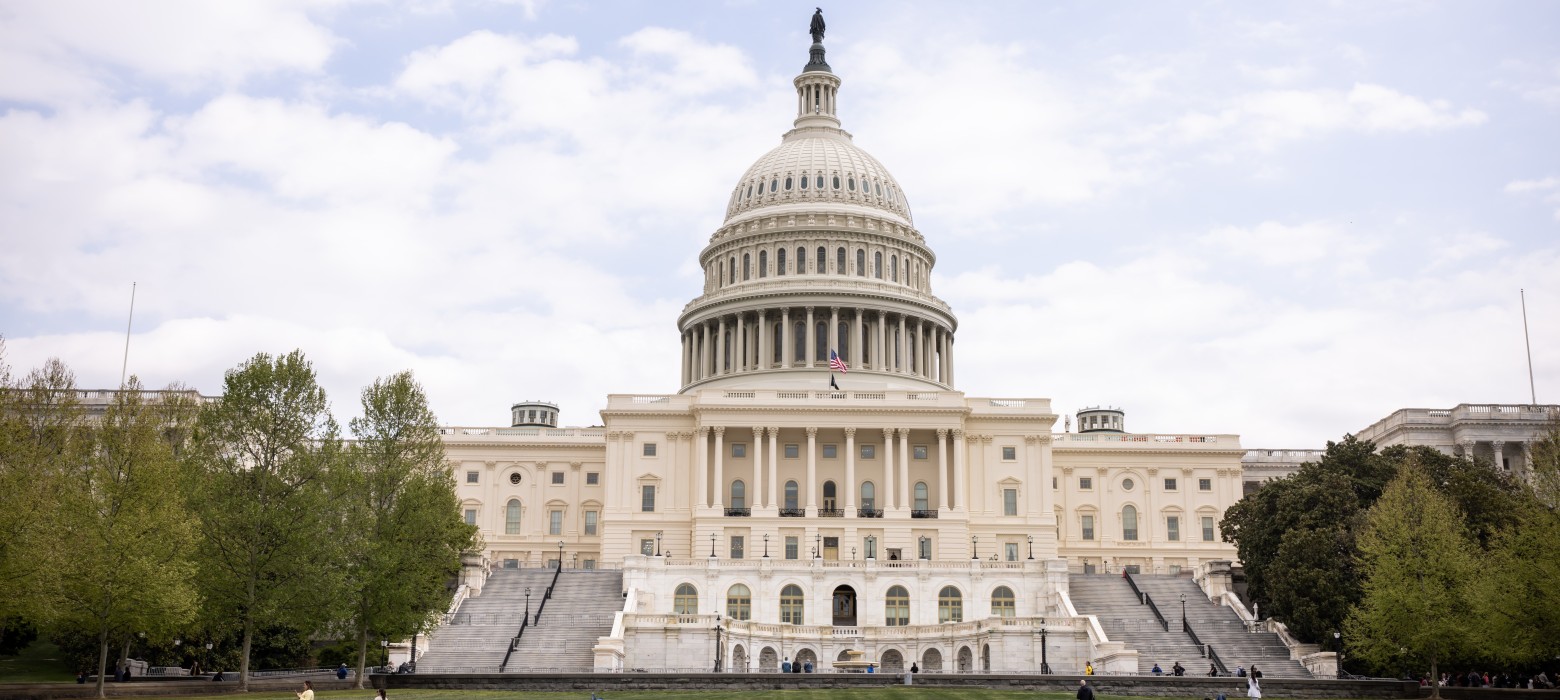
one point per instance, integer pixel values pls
(38, 663)
(887, 693)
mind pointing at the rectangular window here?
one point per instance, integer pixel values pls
(554, 522)
(1207, 529)
(1170, 484)
(471, 516)
(557, 478)
(590, 521)
(830, 451)
(1088, 527)
(793, 451)
(647, 498)
(792, 545)
(1173, 528)
(1053, 482)
(1010, 551)
(649, 449)
(738, 450)
(1085, 483)
(1009, 454)
(592, 478)
(1205, 484)
(1010, 501)
(737, 542)
(647, 547)
(590, 564)
(918, 452)
(471, 477)
(869, 451)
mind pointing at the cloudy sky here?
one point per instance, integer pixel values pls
(1280, 220)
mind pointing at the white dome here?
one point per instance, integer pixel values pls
(836, 171)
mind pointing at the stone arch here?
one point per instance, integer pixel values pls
(966, 660)
(806, 655)
(739, 659)
(892, 661)
(931, 660)
(985, 658)
(769, 660)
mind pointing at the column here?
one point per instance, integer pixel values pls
(833, 335)
(942, 351)
(880, 348)
(685, 358)
(702, 466)
(812, 472)
(720, 348)
(950, 359)
(1467, 449)
(764, 353)
(850, 472)
(961, 482)
(901, 348)
(904, 469)
(942, 469)
(740, 351)
(774, 471)
(786, 341)
(807, 351)
(888, 469)
(1498, 448)
(758, 468)
(720, 468)
(857, 354)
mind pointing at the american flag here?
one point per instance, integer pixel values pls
(836, 363)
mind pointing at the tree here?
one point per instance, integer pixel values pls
(257, 473)
(122, 526)
(1519, 592)
(1418, 563)
(404, 512)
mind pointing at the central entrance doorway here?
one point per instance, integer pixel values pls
(844, 607)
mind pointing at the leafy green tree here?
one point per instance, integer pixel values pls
(404, 510)
(257, 484)
(1519, 592)
(1545, 478)
(123, 530)
(1418, 563)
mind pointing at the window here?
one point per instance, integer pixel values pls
(738, 450)
(1088, 527)
(823, 259)
(804, 181)
(555, 522)
(896, 607)
(893, 268)
(1085, 483)
(1170, 484)
(791, 604)
(1003, 603)
(870, 547)
(1173, 528)
(591, 517)
(733, 268)
(471, 477)
(1127, 484)
(514, 478)
(738, 494)
(774, 184)
(557, 478)
(869, 451)
(592, 478)
(818, 182)
(839, 262)
(801, 261)
(950, 605)
(1207, 528)
(471, 516)
(1009, 453)
(686, 600)
(918, 452)
(868, 496)
(512, 518)
(793, 451)
(1010, 551)
(747, 267)
(788, 183)
(850, 183)
(1010, 501)
(1205, 484)
(792, 547)
(1053, 482)
(649, 449)
(830, 496)
(921, 496)
(836, 182)
(861, 263)
(737, 546)
(800, 341)
(820, 340)
(763, 263)
(780, 261)
(877, 265)
(830, 452)
(647, 498)
(590, 564)
(1129, 523)
(647, 547)
(739, 600)
(791, 492)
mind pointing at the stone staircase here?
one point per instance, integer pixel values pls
(1218, 626)
(581, 611)
(476, 637)
(1124, 619)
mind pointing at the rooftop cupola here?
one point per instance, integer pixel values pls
(817, 86)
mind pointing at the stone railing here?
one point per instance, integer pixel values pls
(1147, 441)
(524, 432)
(1027, 566)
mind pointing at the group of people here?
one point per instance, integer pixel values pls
(1474, 679)
(799, 667)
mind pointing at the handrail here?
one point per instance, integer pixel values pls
(1208, 648)
(1213, 657)
(514, 642)
(1133, 583)
(1146, 599)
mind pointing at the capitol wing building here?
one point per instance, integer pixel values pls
(777, 507)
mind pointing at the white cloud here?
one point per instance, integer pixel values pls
(1269, 118)
(1548, 188)
(1276, 244)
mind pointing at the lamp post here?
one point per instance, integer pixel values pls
(974, 552)
(717, 641)
(853, 553)
(1183, 611)
(1045, 665)
(575, 557)
(527, 604)
(712, 545)
(1031, 546)
(1338, 640)
(817, 545)
(658, 543)
(384, 652)
(560, 554)
(208, 653)
(766, 545)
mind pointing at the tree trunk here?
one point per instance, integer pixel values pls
(102, 659)
(243, 661)
(362, 656)
(1435, 679)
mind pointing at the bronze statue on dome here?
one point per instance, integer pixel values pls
(816, 29)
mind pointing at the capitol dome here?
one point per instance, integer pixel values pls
(814, 167)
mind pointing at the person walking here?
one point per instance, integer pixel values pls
(1253, 688)
(1084, 691)
(1088, 669)
(308, 691)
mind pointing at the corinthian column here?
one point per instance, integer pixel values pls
(850, 472)
(812, 472)
(758, 468)
(888, 469)
(942, 469)
(719, 491)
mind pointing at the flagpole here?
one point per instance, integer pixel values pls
(1532, 393)
(126, 364)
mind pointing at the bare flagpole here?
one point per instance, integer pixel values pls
(126, 364)
(1532, 393)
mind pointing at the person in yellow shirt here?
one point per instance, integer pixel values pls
(308, 691)
(1088, 670)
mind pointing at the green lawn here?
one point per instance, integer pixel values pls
(886, 693)
(38, 663)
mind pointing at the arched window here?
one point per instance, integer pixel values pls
(774, 184)
(861, 264)
(747, 267)
(801, 261)
(851, 183)
(820, 340)
(780, 261)
(791, 604)
(836, 182)
(763, 263)
(1129, 523)
(839, 261)
(738, 494)
(921, 497)
(512, 517)
(801, 342)
(720, 274)
(823, 259)
(803, 183)
(1002, 603)
(788, 183)
(868, 496)
(893, 267)
(818, 182)
(830, 497)
(739, 600)
(950, 605)
(791, 492)
(686, 600)
(842, 340)
(733, 268)
(896, 607)
(877, 265)
(779, 333)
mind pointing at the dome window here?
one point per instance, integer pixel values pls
(774, 185)
(819, 183)
(836, 182)
(788, 183)
(879, 187)
(851, 184)
(749, 192)
(804, 181)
